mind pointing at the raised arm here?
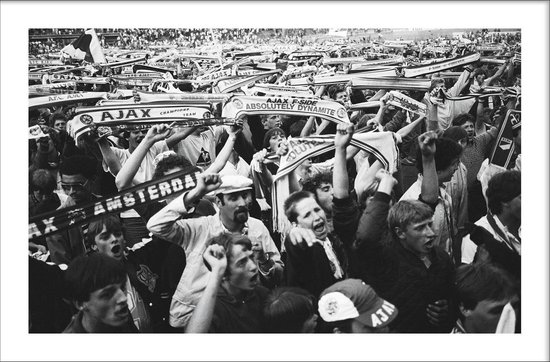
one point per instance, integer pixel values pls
(178, 136)
(497, 74)
(225, 152)
(430, 185)
(109, 156)
(126, 174)
(201, 319)
(461, 82)
(340, 179)
(164, 223)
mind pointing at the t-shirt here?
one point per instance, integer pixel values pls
(200, 149)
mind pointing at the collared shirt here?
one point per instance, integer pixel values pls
(458, 328)
(469, 248)
(192, 235)
(443, 220)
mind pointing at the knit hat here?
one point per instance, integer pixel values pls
(353, 299)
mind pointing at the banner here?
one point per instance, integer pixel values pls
(444, 65)
(87, 118)
(55, 78)
(391, 83)
(157, 69)
(152, 97)
(41, 89)
(326, 109)
(300, 70)
(143, 194)
(279, 90)
(341, 78)
(379, 144)
(64, 99)
(42, 62)
(362, 61)
(229, 85)
(503, 149)
(402, 101)
(123, 63)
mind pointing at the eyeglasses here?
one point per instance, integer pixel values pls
(76, 186)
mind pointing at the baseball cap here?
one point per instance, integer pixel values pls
(353, 299)
(233, 183)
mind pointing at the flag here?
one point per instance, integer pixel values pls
(87, 47)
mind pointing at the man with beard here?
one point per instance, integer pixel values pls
(233, 198)
(315, 258)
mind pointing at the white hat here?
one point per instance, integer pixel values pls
(233, 183)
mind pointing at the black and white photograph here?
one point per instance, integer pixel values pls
(275, 184)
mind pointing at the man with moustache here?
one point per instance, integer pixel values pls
(233, 198)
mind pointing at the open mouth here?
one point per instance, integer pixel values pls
(429, 244)
(320, 227)
(116, 249)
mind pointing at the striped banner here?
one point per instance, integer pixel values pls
(391, 83)
(341, 78)
(407, 103)
(279, 90)
(55, 78)
(326, 109)
(439, 66)
(64, 99)
(143, 194)
(41, 89)
(123, 63)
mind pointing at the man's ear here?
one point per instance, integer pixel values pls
(219, 201)
(94, 247)
(400, 233)
(78, 305)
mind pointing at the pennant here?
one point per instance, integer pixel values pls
(86, 47)
(143, 194)
(503, 149)
(326, 109)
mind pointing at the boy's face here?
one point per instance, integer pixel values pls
(446, 174)
(485, 316)
(324, 195)
(417, 237)
(110, 243)
(108, 305)
(469, 128)
(311, 216)
(242, 268)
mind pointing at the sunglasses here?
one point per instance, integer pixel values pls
(76, 185)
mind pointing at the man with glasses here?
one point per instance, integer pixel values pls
(77, 173)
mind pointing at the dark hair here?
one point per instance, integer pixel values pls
(286, 309)
(227, 240)
(463, 118)
(78, 164)
(270, 133)
(344, 326)
(406, 212)
(312, 183)
(482, 281)
(334, 89)
(456, 133)
(86, 274)
(112, 223)
(292, 200)
(502, 187)
(55, 116)
(42, 180)
(170, 162)
(447, 150)
(296, 128)
(434, 82)
(479, 71)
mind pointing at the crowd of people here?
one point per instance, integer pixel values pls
(355, 245)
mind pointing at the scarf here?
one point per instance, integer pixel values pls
(143, 194)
